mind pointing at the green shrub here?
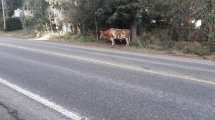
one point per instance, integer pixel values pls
(211, 42)
(198, 51)
(34, 23)
(87, 39)
(29, 21)
(68, 36)
(157, 39)
(1, 24)
(211, 46)
(13, 24)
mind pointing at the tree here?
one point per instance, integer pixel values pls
(122, 14)
(10, 6)
(39, 10)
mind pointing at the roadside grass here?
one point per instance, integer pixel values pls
(162, 42)
(18, 33)
(151, 43)
(201, 51)
(155, 44)
(69, 37)
(87, 39)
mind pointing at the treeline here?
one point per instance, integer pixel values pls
(9, 7)
(169, 21)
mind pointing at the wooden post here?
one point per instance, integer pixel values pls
(23, 18)
(3, 11)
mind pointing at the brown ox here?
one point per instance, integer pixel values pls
(116, 34)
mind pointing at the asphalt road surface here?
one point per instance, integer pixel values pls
(101, 84)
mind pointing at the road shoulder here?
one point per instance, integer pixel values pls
(102, 45)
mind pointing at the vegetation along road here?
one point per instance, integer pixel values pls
(59, 81)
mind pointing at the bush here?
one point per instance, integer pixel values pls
(87, 39)
(211, 42)
(157, 39)
(1, 24)
(38, 24)
(196, 48)
(29, 21)
(211, 45)
(13, 24)
(67, 37)
(202, 51)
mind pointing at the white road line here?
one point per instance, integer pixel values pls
(103, 62)
(69, 114)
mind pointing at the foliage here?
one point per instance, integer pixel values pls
(87, 39)
(197, 49)
(40, 14)
(119, 13)
(13, 24)
(154, 23)
(10, 6)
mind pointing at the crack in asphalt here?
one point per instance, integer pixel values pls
(12, 112)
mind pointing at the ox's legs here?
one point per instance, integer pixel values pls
(113, 42)
(127, 42)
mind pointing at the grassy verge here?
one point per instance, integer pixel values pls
(149, 44)
(18, 34)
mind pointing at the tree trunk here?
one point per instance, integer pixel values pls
(97, 30)
(82, 29)
(75, 29)
(134, 31)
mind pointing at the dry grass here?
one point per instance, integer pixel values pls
(182, 49)
(18, 34)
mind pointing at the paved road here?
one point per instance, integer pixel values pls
(105, 84)
(16, 106)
